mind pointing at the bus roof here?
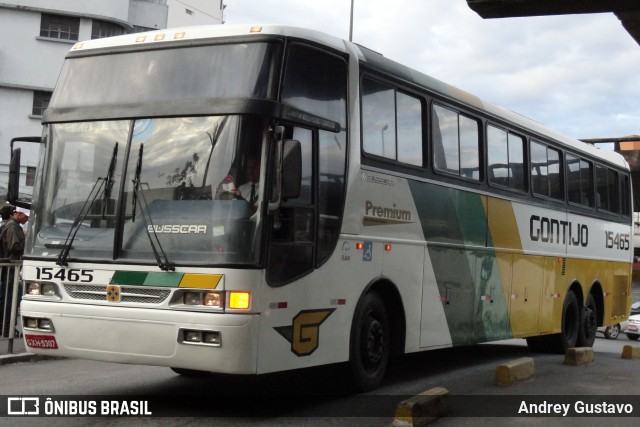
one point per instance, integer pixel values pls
(373, 58)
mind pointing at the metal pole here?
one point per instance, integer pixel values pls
(351, 23)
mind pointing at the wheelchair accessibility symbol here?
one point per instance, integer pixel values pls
(367, 253)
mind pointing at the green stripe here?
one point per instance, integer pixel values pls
(141, 278)
(128, 277)
(170, 280)
(467, 272)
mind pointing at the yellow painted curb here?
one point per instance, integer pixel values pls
(515, 371)
(579, 356)
(631, 352)
(422, 409)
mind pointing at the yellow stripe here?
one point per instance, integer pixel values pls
(201, 281)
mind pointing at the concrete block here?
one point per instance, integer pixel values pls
(579, 356)
(631, 352)
(422, 409)
(515, 371)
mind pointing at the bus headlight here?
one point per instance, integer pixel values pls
(213, 299)
(45, 289)
(207, 299)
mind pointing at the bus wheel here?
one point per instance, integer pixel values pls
(370, 343)
(570, 323)
(559, 343)
(588, 323)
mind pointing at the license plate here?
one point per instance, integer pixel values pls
(41, 341)
(632, 328)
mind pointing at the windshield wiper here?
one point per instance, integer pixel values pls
(102, 186)
(138, 197)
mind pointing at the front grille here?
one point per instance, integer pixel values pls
(127, 294)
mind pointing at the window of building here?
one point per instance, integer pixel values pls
(456, 143)
(141, 29)
(505, 155)
(59, 27)
(546, 179)
(391, 123)
(40, 102)
(102, 29)
(579, 181)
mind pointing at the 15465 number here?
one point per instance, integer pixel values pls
(617, 241)
(63, 274)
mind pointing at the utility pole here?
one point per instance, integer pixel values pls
(351, 23)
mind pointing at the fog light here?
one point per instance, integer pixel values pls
(212, 338)
(45, 324)
(193, 336)
(30, 322)
(192, 298)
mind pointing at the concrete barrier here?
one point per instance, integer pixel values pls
(422, 409)
(515, 371)
(579, 356)
(631, 352)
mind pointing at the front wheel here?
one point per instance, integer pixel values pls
(370, 343)
(633, 337)
(612, 332)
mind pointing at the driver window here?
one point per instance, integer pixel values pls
(292, 246)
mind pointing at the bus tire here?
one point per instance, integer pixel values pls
(588, 323)
(370, 343)
(571, 323)
(568, 337)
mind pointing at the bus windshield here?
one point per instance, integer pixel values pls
(163, 75)
(133, 189)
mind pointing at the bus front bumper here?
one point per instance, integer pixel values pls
(214, 342)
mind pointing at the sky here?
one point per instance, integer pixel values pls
(576, 74)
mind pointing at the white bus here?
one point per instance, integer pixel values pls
(394, 213)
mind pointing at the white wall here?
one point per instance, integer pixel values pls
(116, 10)
(201, 12)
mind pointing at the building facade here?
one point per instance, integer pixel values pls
(35, 36)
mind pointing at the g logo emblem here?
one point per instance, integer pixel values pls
(304, 333)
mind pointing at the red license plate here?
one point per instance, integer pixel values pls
(632, 328)
(41, 341)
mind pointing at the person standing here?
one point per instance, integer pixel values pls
(13, 235)
(12, 244)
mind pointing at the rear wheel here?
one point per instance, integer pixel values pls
(570, 326)
(370, 343)
(570, 322)
(588, 323)
(633, 337)
(612, 332)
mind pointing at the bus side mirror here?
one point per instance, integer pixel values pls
(13, 184)
(291, 169)
(14, 177)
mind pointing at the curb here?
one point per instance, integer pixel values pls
(8, 359)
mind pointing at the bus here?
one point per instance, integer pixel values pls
(394, 213)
